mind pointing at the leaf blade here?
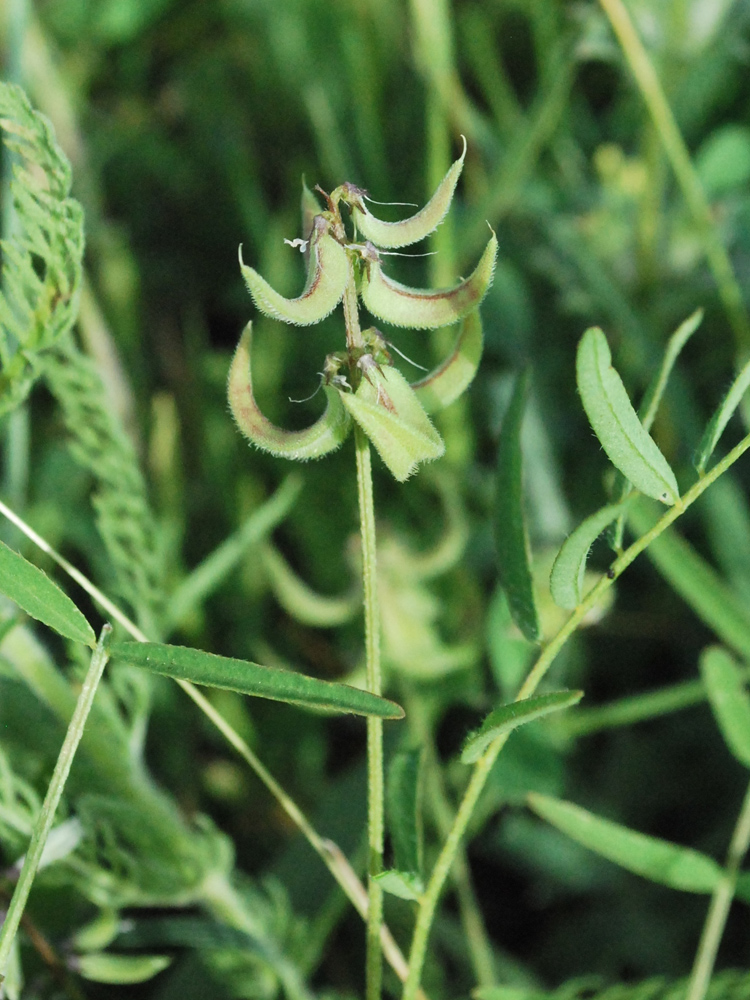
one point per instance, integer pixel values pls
(33, 591)
(729, 700)
(513, 555)
(628, 445)
(569, 567)
(253, 679)
(508, 717)
(655, 859)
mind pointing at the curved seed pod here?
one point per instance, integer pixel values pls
(388, 412)
(446, 383)
(328, 273)
(325, 435)
(424, 309)
(415, 228)
(628, 445)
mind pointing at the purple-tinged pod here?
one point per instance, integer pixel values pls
(424, 309)
(389, 413)
(416, 227)
(450, 379)
(327, 275)
(325, 435)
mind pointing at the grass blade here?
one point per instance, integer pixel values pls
(569, 567)
(511, 716)
(729, 700)
(628, 446)
(34, 592)
(252, 679)
(513, 554)
(658, 860)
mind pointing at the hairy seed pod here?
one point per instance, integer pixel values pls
(448, 381)
(424, 309)
(328, 273)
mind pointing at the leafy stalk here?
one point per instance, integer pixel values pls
(429, 901)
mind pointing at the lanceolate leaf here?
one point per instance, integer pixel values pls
(252, 679)
(34, 592)
(569, 568)
(729, 700)
(447, 382)
(510, 524)
(655, 859)
(388, 411)
(404, 812)
(508, 717)
(328, 273)
(415, 228)
(628, 446)
(721, 418)
(324, 436)
(429, 308)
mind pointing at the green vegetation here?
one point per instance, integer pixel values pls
(548, 795)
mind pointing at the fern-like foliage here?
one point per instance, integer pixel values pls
(98, 442)
(42, 269)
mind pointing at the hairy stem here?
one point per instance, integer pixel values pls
(444, 863)
(375, 797)
(46, 816)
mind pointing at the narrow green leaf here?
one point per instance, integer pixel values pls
(103, 967)
(447, 382)
(252, 679)
(721, 418)
(513, 554)
(428, 308)
(34, 592)
(628, 446)
(322, 437)
(729, 700)
(655, 859)
(649, 407)
(696, 582)
(389, 413)
(404, 810)
(569, 567)
(405, 885)
(509, 717)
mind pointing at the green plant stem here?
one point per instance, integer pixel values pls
(375, 785)
(679, 156)
(46, 816)
(330, 853)
(718, 911)
(482, 768)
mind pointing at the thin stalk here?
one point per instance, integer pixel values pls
(330, 853)
(679, 156)
(375, 792)
(428, 902)
(718, 911)
(46, 816)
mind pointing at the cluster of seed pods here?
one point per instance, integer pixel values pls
(361, 383)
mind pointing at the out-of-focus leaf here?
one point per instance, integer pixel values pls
(404, 812)
(729, 700)
(513, 554)
(103, 967)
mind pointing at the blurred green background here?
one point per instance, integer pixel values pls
(190, 125)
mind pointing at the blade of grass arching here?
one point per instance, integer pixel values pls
(329, 853)
(696, 582)
(210, 573)
(46, 817)
(677, 152)
(721, 418)
(513, 555)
